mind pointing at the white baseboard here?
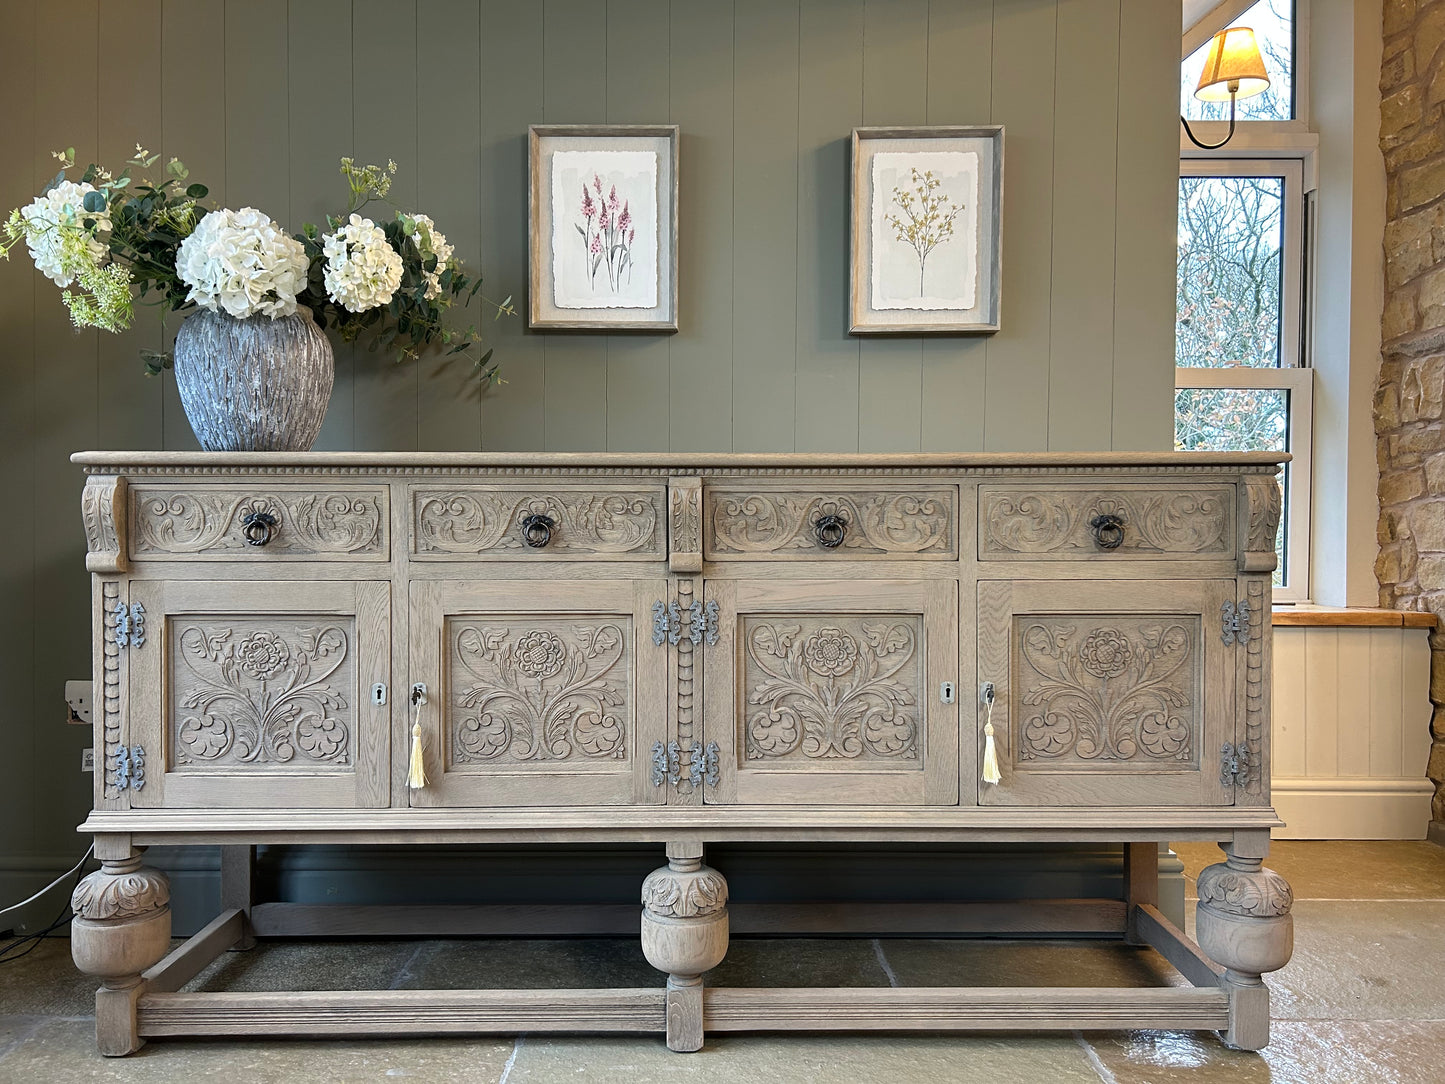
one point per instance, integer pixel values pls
(1352, 808)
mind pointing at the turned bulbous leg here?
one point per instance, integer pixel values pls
(1243, 923)
(684, 932)
(122, 926)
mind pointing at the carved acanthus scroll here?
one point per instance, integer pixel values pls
(915, 521)
(307, 522)
(843, 690)
(102, 507)
(684, 524)
(1017, 521)
(546, 691)
(1261, 500)
(1106, 689)
(614, 521)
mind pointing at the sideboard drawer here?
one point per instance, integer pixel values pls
(1069, 522)
(286, 522)
(869, 522)
(605, 522)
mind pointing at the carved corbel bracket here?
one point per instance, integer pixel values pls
(1260, 502)
(684, 524)
(102, 506)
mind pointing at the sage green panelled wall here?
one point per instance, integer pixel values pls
(260, 98)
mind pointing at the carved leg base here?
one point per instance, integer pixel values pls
(122, 926)
(1244, 923)
(684, 932)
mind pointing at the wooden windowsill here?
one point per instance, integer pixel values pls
(1351, 617)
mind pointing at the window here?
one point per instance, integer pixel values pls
(1273, 23)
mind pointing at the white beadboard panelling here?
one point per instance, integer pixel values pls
(1351, 732)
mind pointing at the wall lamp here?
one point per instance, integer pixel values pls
(1232, 70)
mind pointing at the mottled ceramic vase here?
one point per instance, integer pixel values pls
(254, 385)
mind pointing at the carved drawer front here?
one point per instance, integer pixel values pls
(275, 522)
(539, 694)
(869, 522)
(538, 522)
(1108, 693)
(1072, 521)
(831, 692)
(260, 693)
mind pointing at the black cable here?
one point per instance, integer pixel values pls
(61, 919)
(1211, 146)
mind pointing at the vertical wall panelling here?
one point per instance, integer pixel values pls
(638, 32)
(130, 72)
(21, 289)
(67, 404)
(512, 77)
(1352, 736)
(765, 223)
(1322, 702)
(575, 92)
(321, 134)
(830, 106)
(960, 91)
(1416, 712)
(385, 395)
(895, 91)
(1146, 211)
(1384, 688)
(1081, 314)
(448, 188)
(193, 129)
(258, 107)
(700, 386)
(1024, 41)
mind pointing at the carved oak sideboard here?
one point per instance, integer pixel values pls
(679, 650)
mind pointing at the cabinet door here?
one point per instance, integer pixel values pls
(1107, 693)
(541, 692)
(258, 693)
(830, 692)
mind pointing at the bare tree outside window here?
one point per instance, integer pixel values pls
(1273, 24)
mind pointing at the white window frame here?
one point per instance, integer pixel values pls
(1293, 376)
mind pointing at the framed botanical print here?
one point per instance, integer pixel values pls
(926, 230)
(602, 215)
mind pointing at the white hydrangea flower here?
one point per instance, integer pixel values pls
(242, 263)
(362, 269)
(430, 241)
(56, 236)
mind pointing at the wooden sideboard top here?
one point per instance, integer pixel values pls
(101, 462)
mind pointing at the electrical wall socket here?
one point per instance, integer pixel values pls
(87, 760)
(79, 695)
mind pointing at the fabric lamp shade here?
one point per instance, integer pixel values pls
(1233, 68)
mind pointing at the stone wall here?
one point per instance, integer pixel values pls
(1410, 395)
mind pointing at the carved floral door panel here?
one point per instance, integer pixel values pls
(1111, 693)
(829, 692)
(259, 693)
(541, 692)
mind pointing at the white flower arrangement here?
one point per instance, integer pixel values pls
(362, 269)
(243, 264)
(430, 241)
(55, 233)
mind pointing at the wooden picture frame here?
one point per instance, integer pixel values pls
(612, 262)
(917, 193)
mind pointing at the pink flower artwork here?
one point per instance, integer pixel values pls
(609, 243)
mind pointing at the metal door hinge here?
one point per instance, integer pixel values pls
(668, 624)
(130, 625)
(702, 763)
(1234, 623)
(1236, 765)
(130, 768)
(659, 763)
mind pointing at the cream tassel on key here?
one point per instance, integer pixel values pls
(990, 751)
(416, 774)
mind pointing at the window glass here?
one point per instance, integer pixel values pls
(1273, 24)
(1229, 272)
(1236, 420)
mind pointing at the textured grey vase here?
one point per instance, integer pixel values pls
(254, 385)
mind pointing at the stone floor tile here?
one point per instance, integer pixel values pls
(530, 965)
(1299, 1052)
(1025, 963)
(799, 962)
(1364, 961)
(63, 1052)
(16, 1029)
(310, 965)
(1344, 869)
(45, 982)
(785, 1059)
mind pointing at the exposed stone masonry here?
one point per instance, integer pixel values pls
(1410, 395)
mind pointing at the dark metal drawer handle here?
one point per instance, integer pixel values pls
(830, 530)
(1108, 530)
(259, 528)
(537, 530)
